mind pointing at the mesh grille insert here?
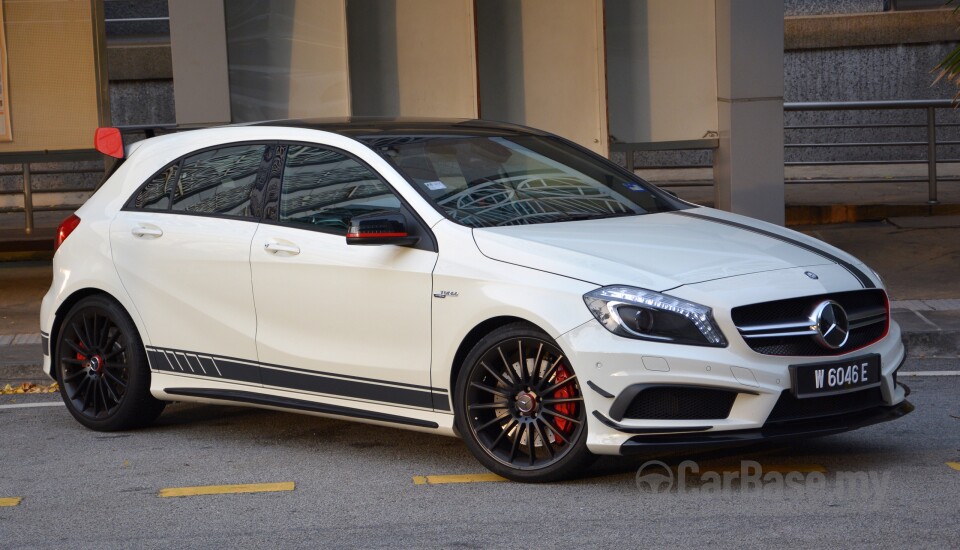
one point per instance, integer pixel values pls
(667, 403)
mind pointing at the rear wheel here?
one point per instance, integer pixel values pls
(102, 367)
(519, 406)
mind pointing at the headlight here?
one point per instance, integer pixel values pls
(647, 315)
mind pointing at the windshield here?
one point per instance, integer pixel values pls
(481, 181)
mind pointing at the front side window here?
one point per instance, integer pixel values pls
(324, 189)
(219, 181)
(481, 181)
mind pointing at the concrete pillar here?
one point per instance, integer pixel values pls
(661, 70)
(288, 59)
(413, 58)
(198, 49)
(748, 166)
(542, 63)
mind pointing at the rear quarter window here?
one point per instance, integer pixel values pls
(155, 195)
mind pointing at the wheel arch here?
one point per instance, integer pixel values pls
(66, 305)
(475, 335)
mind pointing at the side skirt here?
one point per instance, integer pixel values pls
(298, 405)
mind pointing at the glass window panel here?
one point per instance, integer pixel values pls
(325, 189)
(155, 195)
(516, 180)
(219, 181)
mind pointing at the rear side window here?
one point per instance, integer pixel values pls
(324, 189)
(219, 181)
(155, 195)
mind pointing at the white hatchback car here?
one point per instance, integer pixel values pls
(460, 278)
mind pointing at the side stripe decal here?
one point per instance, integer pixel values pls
(167, 361)
(861, 277)
(177, 361)
(346, 388)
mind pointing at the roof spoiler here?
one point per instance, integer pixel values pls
(109, 142)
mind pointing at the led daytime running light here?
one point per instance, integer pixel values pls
(604, 302)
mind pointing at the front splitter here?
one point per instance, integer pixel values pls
(781, 431)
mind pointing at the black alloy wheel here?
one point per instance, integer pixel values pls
(520, 407)
(102, 367)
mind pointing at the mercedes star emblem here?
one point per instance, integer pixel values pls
(830, 324)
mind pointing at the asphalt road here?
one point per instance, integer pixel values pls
(890, 485)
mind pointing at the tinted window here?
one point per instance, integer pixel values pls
(518, 180)
(219, 181)
(325, 189)
(155, 195)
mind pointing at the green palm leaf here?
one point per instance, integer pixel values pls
(949, 67)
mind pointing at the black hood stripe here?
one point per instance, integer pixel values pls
(864, 280)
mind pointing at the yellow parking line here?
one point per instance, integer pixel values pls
(779, 468)
(226, 489)
(458, 478)
(10, 501)
(954, 465)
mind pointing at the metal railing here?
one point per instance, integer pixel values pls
(930, 124)
(929, 142)
(27, 172)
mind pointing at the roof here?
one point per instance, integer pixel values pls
(370, 126)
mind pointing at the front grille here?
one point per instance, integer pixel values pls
(790, 408)
(669, 403)
(783, 327)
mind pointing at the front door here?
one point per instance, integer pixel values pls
(334, 320)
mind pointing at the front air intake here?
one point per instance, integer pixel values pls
(680, 403)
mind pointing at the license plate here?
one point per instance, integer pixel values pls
(836, 377)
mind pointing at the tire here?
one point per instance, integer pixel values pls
(102, 369)
(525, 424)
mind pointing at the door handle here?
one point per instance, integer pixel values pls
(148, 232)
(282, 249)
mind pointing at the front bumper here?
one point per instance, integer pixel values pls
(609, 366)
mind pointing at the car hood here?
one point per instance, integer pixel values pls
(657, 251)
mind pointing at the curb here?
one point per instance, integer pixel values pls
(20, 373)
(935, 343)
(821, 214)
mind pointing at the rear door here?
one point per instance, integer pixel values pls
(334, 320)
(182, 250)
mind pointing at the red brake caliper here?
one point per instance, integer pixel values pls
(567, 409)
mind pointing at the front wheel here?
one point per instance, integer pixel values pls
(102, 367)
(519, 406)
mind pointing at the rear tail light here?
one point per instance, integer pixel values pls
(63, 231)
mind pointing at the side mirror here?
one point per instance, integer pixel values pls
(380, 228)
